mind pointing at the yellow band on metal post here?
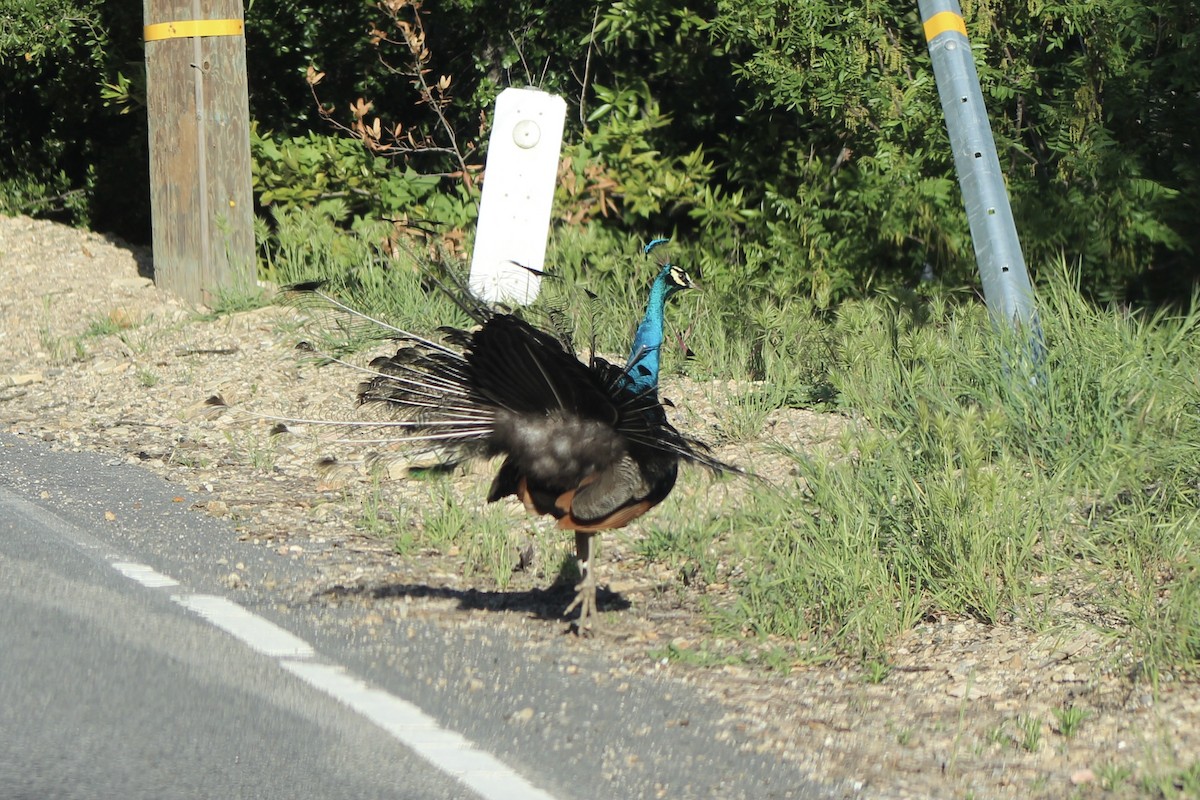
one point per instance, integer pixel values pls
(193, 27)
(941, 22)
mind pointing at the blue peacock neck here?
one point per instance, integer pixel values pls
(643, 355)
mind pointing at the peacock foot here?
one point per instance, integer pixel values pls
(585, 592)
(585, 601)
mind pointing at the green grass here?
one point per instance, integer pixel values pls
(483, 536)
(966, 484)
(60, 349)
(1069, 719)
(742, 416)
(697, 655)
(307, 247)
(252, 448)
(876, 671)
(236, 301)
(104, 326)
(1112, 776)
(1177, 783)
(961, 489)
(1031, 733)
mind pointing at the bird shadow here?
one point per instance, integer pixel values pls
(547, 603)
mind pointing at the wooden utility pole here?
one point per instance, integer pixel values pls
(199, 122)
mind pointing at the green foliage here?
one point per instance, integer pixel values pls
(63, 154)
(798, 143)
(1082, 95)
(45, 194)
(126, 93)
(285, 37)
(342, 179)
(1090, 101)
(34, 30)
(650, 188)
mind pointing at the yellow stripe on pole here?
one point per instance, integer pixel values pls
(941, 22)
(193, 27)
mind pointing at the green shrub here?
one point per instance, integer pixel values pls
(339, 177)
(64, 154)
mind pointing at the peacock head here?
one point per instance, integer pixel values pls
(676, 278)
(671, 277)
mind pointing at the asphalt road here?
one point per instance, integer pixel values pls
(108, 690)
(112, 687)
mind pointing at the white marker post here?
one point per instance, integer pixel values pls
(518, 192)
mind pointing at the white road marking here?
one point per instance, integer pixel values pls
(263, 636)
(144, 575)
(446, 750)
(416, 730)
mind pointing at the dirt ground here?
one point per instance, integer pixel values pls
(93, 357)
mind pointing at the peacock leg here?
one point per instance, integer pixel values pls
(585, 592)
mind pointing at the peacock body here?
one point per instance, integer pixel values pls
(587, 443)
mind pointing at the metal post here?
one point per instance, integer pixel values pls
(1006, 286)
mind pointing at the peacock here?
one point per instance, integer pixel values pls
(587, 443)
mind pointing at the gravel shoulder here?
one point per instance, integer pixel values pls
(93, 357)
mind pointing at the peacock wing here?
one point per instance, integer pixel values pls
(619, 484)
(626, 484)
